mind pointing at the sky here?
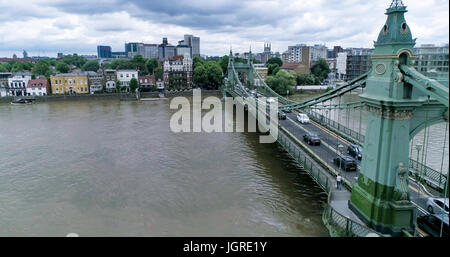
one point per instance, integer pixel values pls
(46, 27)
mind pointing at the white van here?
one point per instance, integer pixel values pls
(303, 118)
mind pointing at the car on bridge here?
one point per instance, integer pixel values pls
(355, 151)
(312, 139)
(432, 225)
(270, 100)
(346, 163)
(303, 118)
(437, 205)
(281, 115)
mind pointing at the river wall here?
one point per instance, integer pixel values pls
(112, 96)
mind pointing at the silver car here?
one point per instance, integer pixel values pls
(437, 205)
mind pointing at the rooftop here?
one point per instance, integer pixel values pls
(40, 82)
(71, 74)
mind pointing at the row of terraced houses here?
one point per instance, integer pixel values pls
(89, 82)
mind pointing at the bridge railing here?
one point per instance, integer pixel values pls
(340, 224)
(306, 162)
(432, 177)
(345, 227)
(334, 125)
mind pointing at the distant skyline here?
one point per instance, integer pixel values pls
(46, 27)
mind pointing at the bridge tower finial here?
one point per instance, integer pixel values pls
(396, 5)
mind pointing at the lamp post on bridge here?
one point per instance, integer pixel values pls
(418, 148)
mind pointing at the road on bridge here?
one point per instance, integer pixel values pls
(328, 150)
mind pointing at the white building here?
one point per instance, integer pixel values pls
(18, 83)
(178, 67)
(341, 66)
(38, 87)
(125, 76)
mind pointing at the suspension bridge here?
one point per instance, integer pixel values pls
(396, 102)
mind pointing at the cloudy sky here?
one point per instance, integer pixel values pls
(45, 27)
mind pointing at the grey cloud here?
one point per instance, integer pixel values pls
(237, 20)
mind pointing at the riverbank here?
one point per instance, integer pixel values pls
(111, 96)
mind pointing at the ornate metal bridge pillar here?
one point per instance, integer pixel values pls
(380, 197)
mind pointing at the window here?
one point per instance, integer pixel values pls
(81, 89)
(85, 89)
(439, 203)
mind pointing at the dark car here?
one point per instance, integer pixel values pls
(288, 110)
(355, 151)
(281, 115)
(346, 163)
(312, 139)
(432, 224)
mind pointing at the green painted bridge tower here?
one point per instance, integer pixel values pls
(241, 68)
(395, 113)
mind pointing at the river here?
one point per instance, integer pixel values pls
(111, 168)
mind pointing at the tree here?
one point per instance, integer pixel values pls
(16, 67)
(41, 68)
(62, 67)
(273, 69)
(200, 76)
(118, 86)
(224, 63)
(282, 82)
(305, 79)
(176, 82)
(133, 84)
(91, 66)
(138, 63)
(151, 65)
(121, 64)
(3, 68)
(320, 70)
(76, 60)
(209, 75)
(215, 74)
(197, 61)
(158, 73)
(240, 60)
(275, 60)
